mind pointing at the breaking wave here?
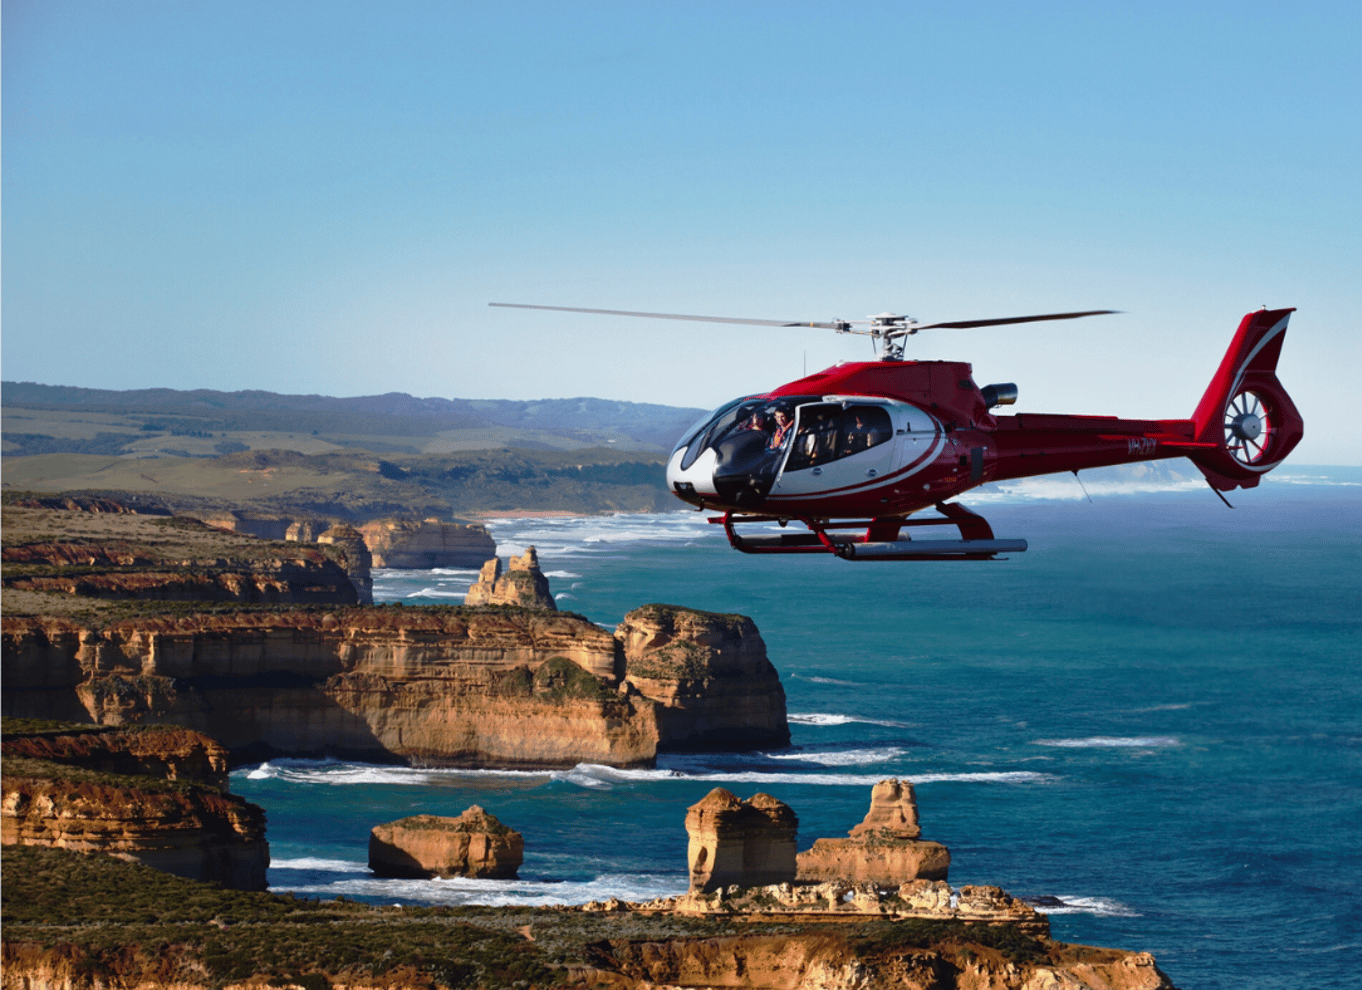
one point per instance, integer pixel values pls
(465, 890)
(594, 776)
(825, 718)
(1112, 742)
(1102, 907)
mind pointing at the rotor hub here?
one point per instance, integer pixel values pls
(1246, 426)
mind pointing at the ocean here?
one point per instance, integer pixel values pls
(1154, 716)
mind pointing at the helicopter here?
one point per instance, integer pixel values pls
(853, 452)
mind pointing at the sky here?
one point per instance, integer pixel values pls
(323, 197)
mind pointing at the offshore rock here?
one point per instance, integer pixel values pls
(883, 849)
(405, 543)
(744, 843)
(358, 561)
(132, 794)
(523, 584)
(475, 844)
(710, 676)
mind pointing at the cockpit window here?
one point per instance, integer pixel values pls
(828, 431)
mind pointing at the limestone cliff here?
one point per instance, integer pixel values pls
(134, 795)
(437, 685)
(884, 849)
(710, 676)
(428, 543)
(475, 844)
(522, 584)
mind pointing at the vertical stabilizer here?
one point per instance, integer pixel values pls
(1245, 410)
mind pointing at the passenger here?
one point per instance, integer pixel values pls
(782, 431)
(857, 437)
(757, 422)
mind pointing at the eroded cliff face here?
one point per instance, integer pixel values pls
(710, 676)
(437, 686)
(441, 686)
(156, 796)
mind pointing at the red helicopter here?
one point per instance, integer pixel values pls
(854, 450)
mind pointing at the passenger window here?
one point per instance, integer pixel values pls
(828, 432)
(864, 427)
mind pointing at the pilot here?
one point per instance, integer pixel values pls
(757, 422)
(782, 430)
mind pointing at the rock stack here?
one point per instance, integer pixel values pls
(522, 584)
(428, 543)
(884, 849)
(748, 843)
(474, 844)
(358, 560)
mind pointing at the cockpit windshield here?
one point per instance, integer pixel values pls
(772, 418)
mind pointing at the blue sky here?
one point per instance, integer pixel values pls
(323, 196)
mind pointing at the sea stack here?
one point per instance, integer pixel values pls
(522, 584)
(884, 849)
(748, 843)
(474, 844)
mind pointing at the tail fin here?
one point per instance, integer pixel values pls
(1246, 411)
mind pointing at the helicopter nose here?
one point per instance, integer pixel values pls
(693, 481)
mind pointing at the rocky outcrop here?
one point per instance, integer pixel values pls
(931, 900)
(710, 676)
(405, 543)
(161, 751)
(301, 581)
(522, 584)
(884, 849)
(824, 960)
(475, 844)
(135, 795)
(357, 561)
(744, 843)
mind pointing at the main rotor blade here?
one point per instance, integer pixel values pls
(970, 324)
(673, 316)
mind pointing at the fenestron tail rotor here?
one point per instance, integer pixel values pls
(889, 329)
(1248, 428)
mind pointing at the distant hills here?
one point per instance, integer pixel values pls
(350, 458)
(394, 422)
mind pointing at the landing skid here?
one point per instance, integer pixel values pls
(881, 539)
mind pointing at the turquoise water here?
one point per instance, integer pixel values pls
(1154, 715)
